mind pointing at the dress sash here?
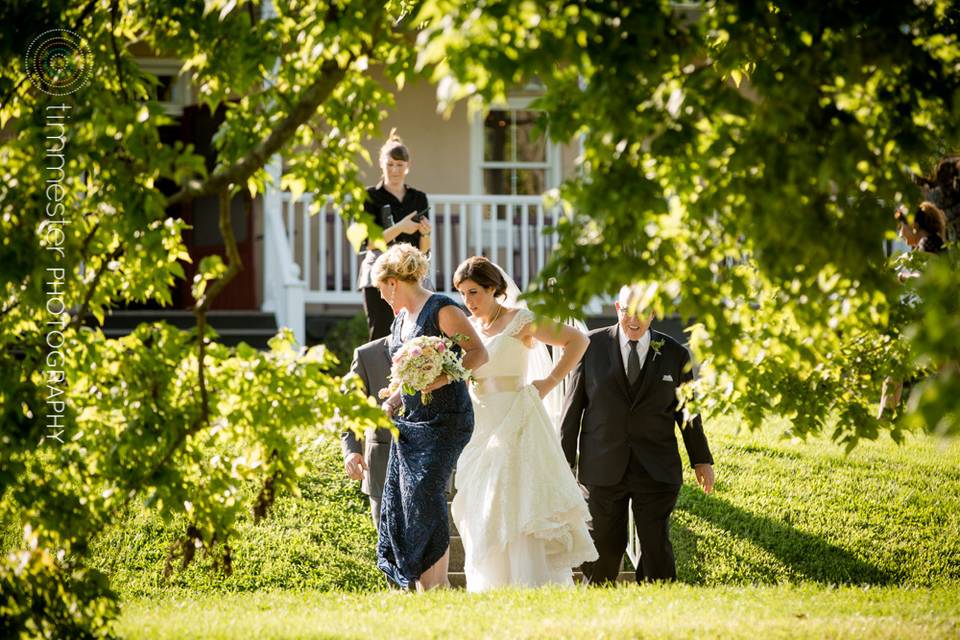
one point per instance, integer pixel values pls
(499, 384)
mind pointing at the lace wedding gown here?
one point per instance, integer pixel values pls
(518, 508)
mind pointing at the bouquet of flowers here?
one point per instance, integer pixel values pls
(420, 361)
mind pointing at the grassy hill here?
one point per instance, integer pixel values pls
(784, 511)
(322, 540)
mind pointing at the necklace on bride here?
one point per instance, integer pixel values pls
(486, 325)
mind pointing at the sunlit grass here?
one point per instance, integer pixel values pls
(760, 558)
(678, 611)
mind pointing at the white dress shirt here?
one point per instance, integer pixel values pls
(643, 345)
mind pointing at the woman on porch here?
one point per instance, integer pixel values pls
(401, 212)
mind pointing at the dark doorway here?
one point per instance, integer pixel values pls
(197, 126)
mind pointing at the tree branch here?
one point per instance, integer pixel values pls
(329, 77)
(85, 305)
(234, 265)
(116, 51)
(13, 305)
(220, 182)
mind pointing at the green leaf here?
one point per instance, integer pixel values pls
(356, 234)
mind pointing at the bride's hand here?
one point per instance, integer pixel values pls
(543, 387)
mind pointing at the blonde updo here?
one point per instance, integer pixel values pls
(401, 261)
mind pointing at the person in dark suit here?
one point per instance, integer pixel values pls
(620, 412)
(368, 462)
(401, 212)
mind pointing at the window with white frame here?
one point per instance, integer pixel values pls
(173, 88)
(510, 156)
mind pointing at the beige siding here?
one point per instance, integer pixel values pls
(439, 146)
(568, 158)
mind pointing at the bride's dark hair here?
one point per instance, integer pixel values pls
(483, 272)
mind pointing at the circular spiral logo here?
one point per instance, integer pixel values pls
(59, 62)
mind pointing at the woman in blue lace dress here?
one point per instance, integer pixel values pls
(413, 550)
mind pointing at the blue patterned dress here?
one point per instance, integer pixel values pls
(414, 530)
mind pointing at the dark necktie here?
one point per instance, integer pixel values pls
(633, 363)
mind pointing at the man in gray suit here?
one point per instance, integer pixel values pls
(371, 363)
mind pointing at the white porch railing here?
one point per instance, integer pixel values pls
(633, 542)
(283, 290)
(514, 231)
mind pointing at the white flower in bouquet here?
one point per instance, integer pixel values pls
(418, 363)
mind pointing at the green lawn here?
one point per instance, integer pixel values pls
(679, 611)
(759, 558)
(786, 510)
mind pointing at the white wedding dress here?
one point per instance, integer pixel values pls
(518, 508)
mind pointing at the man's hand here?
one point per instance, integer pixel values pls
(388, 408)
(704, 473)
(354, 465)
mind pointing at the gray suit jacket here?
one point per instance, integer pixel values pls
(607, 420)
(371, 363)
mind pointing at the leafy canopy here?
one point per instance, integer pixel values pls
(744, 159)
(168, 418)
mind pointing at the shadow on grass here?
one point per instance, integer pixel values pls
(810, 556)
(690, 568)
(769, 451)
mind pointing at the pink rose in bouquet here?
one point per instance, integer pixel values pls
(418, 363)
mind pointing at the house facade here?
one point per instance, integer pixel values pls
(483, 172)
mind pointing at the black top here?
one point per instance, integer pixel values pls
(378, 198)
(931, 244)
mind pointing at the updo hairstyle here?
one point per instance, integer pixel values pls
(483, 272)
(930, 219)
(401, 261)
(394, 149)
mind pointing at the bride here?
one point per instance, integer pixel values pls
(518, 508)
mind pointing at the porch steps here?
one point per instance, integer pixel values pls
(253, 327)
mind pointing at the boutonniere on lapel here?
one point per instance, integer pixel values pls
(656, 345)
